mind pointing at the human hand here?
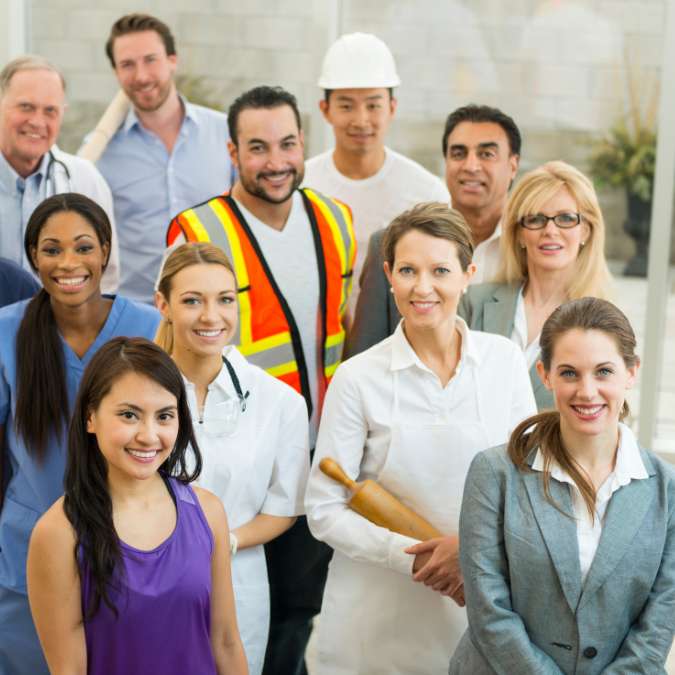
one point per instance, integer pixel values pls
(436, 565)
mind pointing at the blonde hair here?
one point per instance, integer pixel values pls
(534, 189)
(186, 255)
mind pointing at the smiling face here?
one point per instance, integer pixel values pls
(136, 426)
(588, 379)
(144, 70)
(479, 167)
(427, 280)
(202, 308)
(269, 154)
(359, 117)
(554, 248)
(31, 111)
(69, 258)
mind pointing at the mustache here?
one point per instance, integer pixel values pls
(276, 174)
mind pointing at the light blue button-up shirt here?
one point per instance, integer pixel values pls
(150, 186)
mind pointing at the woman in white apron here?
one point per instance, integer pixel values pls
(252, 429)
(411, 413)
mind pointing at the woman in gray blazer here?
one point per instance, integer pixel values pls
(552, 250)
(567, 535)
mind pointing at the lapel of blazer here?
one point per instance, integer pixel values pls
(626, 510)
(499, 314)
(558, 531)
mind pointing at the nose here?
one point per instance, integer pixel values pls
(586, 388)
(359, 116)
(68, 259)
(423, 284)
(471, 161)
(209, 312)
(551, 229)
(147, 433)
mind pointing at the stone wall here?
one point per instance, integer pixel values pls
(560, 68)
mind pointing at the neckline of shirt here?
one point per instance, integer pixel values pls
(378, 176)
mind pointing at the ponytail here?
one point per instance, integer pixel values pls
(42, 399)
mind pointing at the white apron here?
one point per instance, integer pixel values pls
(375, 621)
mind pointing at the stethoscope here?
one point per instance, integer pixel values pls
(237, 386)
(50, 175)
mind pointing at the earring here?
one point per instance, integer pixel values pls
(391, 289)
(583, 243)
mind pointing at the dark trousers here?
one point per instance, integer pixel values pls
(297, 565)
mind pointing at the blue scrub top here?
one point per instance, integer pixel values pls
(33, 487)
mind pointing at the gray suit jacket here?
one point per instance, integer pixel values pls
(528, 611)
(376, 315)
(491, 308)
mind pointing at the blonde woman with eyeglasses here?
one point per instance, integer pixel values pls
(552, 244)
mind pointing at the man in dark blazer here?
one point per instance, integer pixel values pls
(481, 147)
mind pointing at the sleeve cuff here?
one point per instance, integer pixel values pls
(398, 560)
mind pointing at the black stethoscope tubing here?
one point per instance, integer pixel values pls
(50, 176)
(237, 385)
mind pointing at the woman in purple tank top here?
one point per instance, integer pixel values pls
(129, 572)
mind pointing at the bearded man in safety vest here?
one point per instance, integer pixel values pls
(293, 253)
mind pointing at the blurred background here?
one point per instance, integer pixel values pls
(582, 78)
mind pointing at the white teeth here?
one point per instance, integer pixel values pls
(551, 247)
(588, 410)
(72, 281)
(208, 333)
(423, 304)
(143, 454)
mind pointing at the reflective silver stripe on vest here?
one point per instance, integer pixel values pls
(271, 357)
(332, 355)
(218, 237)
(342, 226)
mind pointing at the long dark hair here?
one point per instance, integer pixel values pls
(542, 431)
(87, 501)
(41, 398)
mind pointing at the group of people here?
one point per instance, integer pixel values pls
(178, 354)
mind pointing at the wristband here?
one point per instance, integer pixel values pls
(234, 544)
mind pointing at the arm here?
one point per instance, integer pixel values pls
(649, 640)
(496, 630)
(371, 321)
(55, 595)
(342, 435)
(288, 481)
(437, 565)
(228, 650)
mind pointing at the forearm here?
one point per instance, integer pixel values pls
(230, 657)
(261, 529)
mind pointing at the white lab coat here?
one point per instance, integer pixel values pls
(387, 417)
(261, 467)
(86, 179)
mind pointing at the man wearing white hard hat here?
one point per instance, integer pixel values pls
(358, 77)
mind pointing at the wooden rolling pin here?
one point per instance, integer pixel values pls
(373, 502)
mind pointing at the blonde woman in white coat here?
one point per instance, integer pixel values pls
(252, 429)
(411, 412)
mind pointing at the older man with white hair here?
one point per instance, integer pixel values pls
(32, 168)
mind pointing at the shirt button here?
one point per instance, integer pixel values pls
(590, 652)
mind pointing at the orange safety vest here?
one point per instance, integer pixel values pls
(267, 333)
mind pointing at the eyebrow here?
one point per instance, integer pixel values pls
(372, 97)
(58, 241)
(482, 146)
(167, 408)
(597, 365)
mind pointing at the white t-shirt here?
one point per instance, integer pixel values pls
(291, 257)
(376, 201)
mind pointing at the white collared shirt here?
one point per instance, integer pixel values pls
(629, 466)
(268, 444)
(356, 425)
(486, 257)
(519, 333)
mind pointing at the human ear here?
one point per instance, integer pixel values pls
(544, 375)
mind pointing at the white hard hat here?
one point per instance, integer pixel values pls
(358, 61)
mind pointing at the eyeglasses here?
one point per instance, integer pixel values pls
(539, 221)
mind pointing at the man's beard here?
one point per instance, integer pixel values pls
(255, 188)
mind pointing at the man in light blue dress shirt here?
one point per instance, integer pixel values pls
(167, 155)
(32, 168)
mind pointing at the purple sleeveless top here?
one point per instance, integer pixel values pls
(163, 603)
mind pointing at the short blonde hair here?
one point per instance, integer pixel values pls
(435, 219)
(185, 255)
(534, 189)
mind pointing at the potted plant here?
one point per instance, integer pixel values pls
(626, 158)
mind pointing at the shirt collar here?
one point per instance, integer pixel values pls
(9, 178)
(223, 381)
(493, 237)
(404, 356)
(131, 120)
(629, 465)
